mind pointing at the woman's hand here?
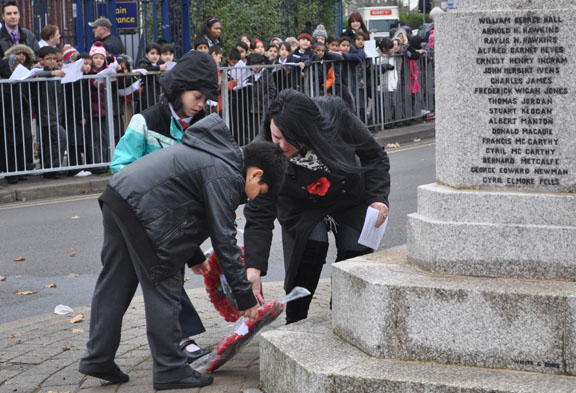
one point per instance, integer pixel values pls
(382, 212)
(202, 268)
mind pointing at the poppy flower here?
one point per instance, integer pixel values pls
(320, 187)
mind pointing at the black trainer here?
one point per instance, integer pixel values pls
(194, 381)
(115, 375)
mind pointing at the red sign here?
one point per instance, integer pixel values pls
(380, 12)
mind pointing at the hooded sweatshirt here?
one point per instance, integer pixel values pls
(158, 127)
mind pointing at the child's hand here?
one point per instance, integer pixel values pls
(163, 67)
(59, 73)
(302, 65)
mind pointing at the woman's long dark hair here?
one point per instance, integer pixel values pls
(205, 28)
(313, 123)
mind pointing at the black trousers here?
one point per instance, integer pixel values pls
(313, 260)
(121, 273)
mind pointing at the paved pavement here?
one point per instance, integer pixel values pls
(41, 354)
(36, 187)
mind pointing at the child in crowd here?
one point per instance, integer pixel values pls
(150, 62)
(78, 114)
(69, 54)
(243, 49)
(326, 68)
(233, 58)
(362, 75)
(257, 47)
(50, 113)
(304, 55)
(390, 65)
(201, 44)
(256, 96)
(333, 44)
(284, 77)
(319, 34)
(271, 53)
(292, 43)
(167, 53)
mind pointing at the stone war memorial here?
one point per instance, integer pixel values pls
(483, 296)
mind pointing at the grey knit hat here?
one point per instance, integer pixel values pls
(320, 31)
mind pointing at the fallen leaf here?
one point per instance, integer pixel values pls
(72, 275)
(416, 139)
(75, 217)
(18, 276)
(238, 218)
(53, 285)
(15, 335)
(67, 349)
(78, 318)
(21, 292)
(73, 254)
(186, 279)
(78, 330)
(2, 278)
(83, 191)
(19, 259)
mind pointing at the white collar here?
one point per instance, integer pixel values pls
(174, 115)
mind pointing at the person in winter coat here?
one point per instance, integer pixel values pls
(16, 119)
(187, 87)
(11, 33)
(337, 170)
(157, 212)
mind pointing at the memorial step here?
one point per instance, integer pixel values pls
(390, 309)
(496, 234)
(308, 358)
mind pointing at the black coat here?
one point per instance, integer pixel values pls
(26, 38)
(177, 197)
(298, 211)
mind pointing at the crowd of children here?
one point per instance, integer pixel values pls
(73, 118)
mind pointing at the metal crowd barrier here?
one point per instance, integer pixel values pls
(59, 129)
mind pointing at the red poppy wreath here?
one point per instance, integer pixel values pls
(219, 290)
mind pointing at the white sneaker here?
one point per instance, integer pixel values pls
(83, 174)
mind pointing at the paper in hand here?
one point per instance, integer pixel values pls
(372, 236)
(73, 71)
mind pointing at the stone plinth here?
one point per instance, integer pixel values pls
(309, 358)
(390, 309)
(496, 234)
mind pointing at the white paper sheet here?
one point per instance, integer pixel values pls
(372, 236)
(73, 71)
(170, 65)
(130, 89)
(110, 70)
(370, 48)
(142, 71)
(20, 73)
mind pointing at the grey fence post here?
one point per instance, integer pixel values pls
(109, 116)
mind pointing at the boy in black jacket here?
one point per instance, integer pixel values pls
(50, 113)
(157, 212)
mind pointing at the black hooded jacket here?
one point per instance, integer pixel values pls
(175, 198)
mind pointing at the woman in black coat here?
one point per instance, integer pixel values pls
(337, 169)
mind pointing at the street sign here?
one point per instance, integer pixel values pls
(126, 14)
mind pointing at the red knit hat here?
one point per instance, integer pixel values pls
(67, 53)
(306, 36)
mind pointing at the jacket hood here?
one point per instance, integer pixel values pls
(194, 71)
(19, 49)
(212, 136)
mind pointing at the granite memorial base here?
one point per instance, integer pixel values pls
(396, 328)
(494, 233)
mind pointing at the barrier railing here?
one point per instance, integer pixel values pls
(51, 128)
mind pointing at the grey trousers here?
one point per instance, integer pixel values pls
(118, 280)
